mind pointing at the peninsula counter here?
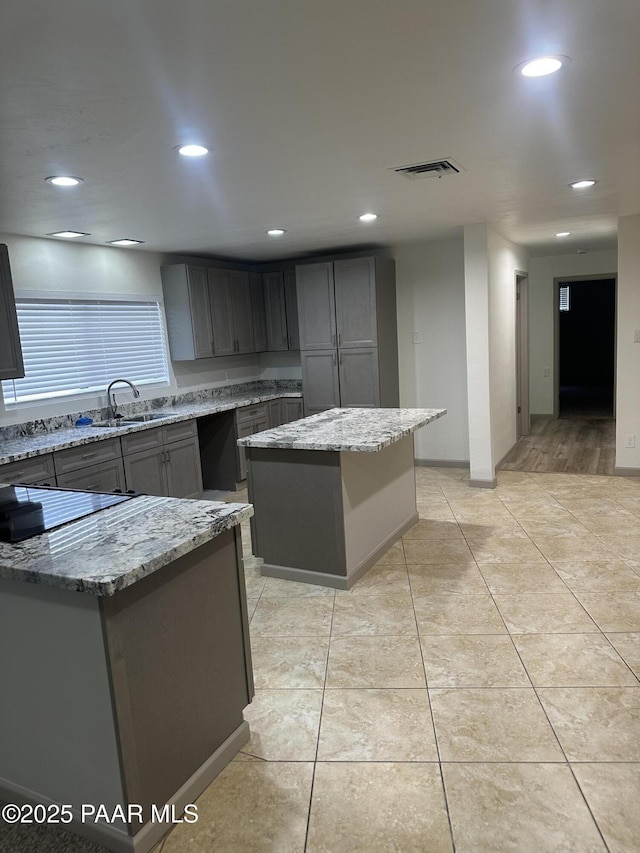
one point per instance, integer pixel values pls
(333, 491)
(124, 661)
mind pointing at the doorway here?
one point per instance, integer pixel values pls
(522, 356)
(585, 350)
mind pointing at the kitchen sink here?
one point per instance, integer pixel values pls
(147, 416)
(134, 419)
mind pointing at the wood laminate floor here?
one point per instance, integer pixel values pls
(574, 445)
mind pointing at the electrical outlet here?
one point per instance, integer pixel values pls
(636, 336)
(630, 441)
(417, 338)
(546, 371)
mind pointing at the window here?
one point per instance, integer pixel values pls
(74, 346)
(564, 297)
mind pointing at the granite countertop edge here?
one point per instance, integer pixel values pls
(382, 433)
(120, 546)
(29, 447)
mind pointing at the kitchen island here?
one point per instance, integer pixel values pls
(333, 491)
(125, 663)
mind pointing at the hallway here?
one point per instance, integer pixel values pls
(573, 445)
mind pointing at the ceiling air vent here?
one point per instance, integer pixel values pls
(431, 169)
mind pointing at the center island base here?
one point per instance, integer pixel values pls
(327, 517)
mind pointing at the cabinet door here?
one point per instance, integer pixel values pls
(316, 306)
(291, 306)
(221, 312)
(242, 324)
(356, 319)
(31, 472)
(105, 477)
(242, 431)
(291, 409)
(145, 472)
(276, 311)
(188, 311)
(359, 384)
(184, 475)
(320, 380)
(200, 311)
(11, 366)
(258, 312)
(275, 413)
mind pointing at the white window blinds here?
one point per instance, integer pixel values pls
(564, 297)
(75, 347)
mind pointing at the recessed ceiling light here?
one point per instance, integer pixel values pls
(540, 66)
(192, 150)
(68, 234)
(583, 185)
(125, 241)
(563, 234)
(276, 232)
(64, 181)
(368, 217)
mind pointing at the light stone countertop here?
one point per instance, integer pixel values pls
(26, 447)
(112, 549)
(361, 430)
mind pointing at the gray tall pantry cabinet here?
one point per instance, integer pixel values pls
(348, 333)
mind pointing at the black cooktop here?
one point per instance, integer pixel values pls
(26, 511)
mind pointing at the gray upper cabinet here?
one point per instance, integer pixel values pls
(291, 306)
(316, 306)
(258, 311)
(188, 312)
(11, 366)
(356, 317)
(224, 340)
(275, 311)
(241, 307)
(231, 317)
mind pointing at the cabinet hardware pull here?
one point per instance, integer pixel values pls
(92, 487)
(88, 455)
(333, 338)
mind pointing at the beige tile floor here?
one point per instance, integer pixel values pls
(478, 690)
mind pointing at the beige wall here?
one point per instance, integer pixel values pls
(628, 352)
(433, 372)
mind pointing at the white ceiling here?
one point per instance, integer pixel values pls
(306, 105)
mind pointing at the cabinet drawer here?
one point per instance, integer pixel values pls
(88, 454)
(147, 439)
(180, 431)
(250, 413)
(37, 470)
(104, 477)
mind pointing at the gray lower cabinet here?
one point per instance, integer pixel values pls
(145, 472)
(164, 461)
(38, 471)
(320, 380)
(359, 382)
(291, 409)
(104, 477)
(274, 408)
(249, 420)
(11, 365)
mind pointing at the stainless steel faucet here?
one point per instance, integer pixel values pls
(111, 400)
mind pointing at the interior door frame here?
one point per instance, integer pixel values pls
(523, 418)
(557, 281)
